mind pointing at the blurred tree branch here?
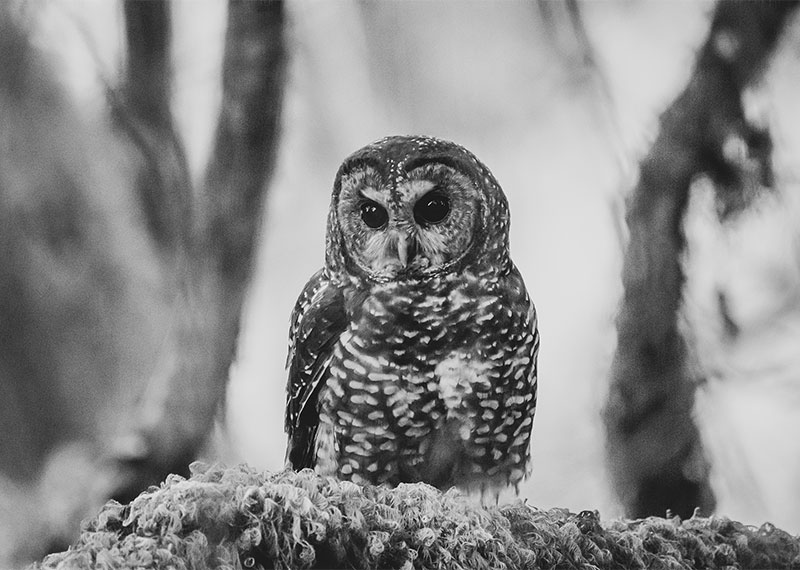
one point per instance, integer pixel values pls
(178, 405)
(144, 111)
(654, 451)
(245, 148)
(565, 26)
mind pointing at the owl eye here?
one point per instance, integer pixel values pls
(373, 214)
(432, 208)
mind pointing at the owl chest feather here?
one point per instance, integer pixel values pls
(417, 369)
(403, 326)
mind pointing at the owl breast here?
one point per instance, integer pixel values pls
(433, 383)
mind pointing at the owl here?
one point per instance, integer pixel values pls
(412, 352)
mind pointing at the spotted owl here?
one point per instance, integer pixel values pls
(412, 353)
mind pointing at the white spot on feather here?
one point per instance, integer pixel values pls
(458, 299)
(355, 366)
(458, 376)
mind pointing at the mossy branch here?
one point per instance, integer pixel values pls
(239, 518)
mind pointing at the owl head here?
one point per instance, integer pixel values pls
(412, 208)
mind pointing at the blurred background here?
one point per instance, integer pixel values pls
(165, 173)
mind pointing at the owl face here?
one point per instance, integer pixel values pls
(418, 226)
(413, 207)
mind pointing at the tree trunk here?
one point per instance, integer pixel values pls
(654, 452)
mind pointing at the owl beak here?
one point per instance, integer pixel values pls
(406, 249)
(401, 251)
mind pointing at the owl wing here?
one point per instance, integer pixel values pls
(318, 319)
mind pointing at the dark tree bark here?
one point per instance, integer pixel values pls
(654, 452)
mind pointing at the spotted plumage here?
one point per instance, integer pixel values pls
(412, 353)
